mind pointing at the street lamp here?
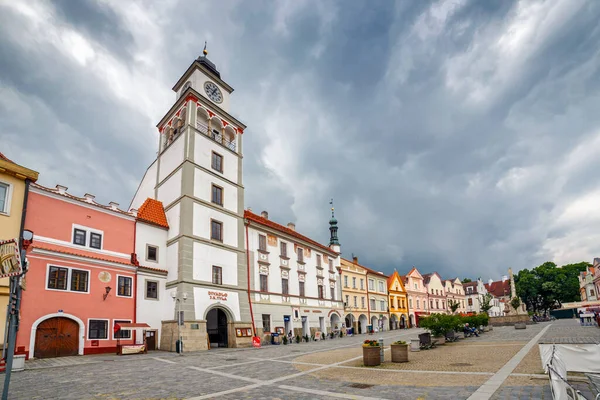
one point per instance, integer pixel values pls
(175, 297)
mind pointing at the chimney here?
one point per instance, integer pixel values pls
(491, 281)
(264, 214)
(291, 226)
(134, 211)
(249, 209)
(89, 197)
(355, 259)
(61, 189)
(113, 205)
(504, 278)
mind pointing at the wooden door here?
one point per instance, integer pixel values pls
(151, 340)
(57, 337)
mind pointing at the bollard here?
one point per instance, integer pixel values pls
(381, 349)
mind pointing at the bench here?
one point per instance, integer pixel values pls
(451, 337)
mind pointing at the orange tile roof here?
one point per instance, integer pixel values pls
(3, 157)
(81, 253)
(153, 212)
(92, 256)
(250, 216)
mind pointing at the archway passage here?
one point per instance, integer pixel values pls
(57, 337)
(412, 320)
(362, 323)
(216, 327)
(393, 322)
(335, 322)
(403, 321)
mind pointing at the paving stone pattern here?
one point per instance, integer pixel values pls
(277, 372)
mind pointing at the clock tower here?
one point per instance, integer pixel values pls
(197, 175)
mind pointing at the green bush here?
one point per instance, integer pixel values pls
(439, 324)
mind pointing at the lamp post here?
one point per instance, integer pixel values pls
(175, 296)
(13, 310)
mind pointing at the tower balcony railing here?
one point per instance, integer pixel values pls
(216, 136)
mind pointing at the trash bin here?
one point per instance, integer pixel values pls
(178, 346)
(275, 338)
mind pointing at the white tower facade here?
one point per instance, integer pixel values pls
(197, 175)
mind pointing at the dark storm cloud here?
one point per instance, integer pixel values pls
(455, 136)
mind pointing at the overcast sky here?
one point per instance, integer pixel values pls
(457, 136)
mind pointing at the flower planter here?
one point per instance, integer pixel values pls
(439, 339)
(399, 353)
(371, 356)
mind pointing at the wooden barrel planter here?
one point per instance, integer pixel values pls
(399, 353)
(371, 356)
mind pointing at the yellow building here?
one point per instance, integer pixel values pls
(354, 294)
(13, 178)
(398, 302)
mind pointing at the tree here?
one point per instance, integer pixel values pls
(547, 286)
(485, 302)
(466, 280)
(453, 305)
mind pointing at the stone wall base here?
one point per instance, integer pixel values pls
(195, 337)
(510, 320)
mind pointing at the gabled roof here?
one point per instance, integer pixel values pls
(393, 277)
(427, 277)
(10, 167)
(251, 217)
(414, 269)
(499, 288)
(3, 157)
(153, 212)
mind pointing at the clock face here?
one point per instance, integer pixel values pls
(213, 92)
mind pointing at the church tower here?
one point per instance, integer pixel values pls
(197, 175)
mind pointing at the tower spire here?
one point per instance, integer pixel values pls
(205, 52)
(333, 228)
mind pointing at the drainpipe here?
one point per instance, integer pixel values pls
(248, 275)
(23, 215)
(135, 283)
(368, 301)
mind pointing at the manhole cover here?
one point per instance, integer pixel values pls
(461, 365)
(231, 359)
(360, 385)
(296, 351)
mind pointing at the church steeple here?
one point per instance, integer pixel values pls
(333, 228)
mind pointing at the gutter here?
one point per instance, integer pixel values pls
(248, 275)
(24, 210)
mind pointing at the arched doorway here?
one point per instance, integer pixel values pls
(402, 321)
(57, 337)
(412, 320)
(384, 324)
(393, 322)
(216, 327)
(362, 323)
(335, 322)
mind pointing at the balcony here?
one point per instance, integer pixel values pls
(214, 135)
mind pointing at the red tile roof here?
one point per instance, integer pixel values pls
(93, 256)
(250, 216)
(81, 253)
(499, 288)
(369, 270)
(153, 212)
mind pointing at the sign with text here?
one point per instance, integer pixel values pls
(10, 259)
(217, 295)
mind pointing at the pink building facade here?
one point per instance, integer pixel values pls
(417, 296)
(80, 281)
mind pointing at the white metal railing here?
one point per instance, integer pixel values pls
(216, 136)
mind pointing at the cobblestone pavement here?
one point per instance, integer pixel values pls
(322, 370)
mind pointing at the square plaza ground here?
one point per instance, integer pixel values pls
(331, 369)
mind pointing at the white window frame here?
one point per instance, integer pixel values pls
(88, 237)
(87, 328)
(381, 287)
(382, 305)
(371, 285)
(117, 286)
(69, 273)
(7, 201)
(113, 328)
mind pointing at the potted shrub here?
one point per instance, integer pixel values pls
(399, 351)
(437, 325)
(285, 340)
(306, 338)
(371, 353)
